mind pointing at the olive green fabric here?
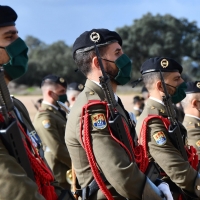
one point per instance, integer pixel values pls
(166, 155)
(52, 137)
(124, 177)
(14, 183)
(193, 132)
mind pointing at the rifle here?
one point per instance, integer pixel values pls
(174, 129)
(9, 130)
(116, 124)
(35, 105)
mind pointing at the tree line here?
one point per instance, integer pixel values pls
(147, 37)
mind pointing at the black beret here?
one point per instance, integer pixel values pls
(160, 63)
(7, 16)
(137, 99)
(75, 86)
(54, 79)
(85, 42)
(193, 87)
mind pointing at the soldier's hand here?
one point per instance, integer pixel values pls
(164, 187)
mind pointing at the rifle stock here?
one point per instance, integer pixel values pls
(9, 131)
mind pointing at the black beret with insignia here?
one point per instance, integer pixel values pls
(75, 86)
(85, 42)
(160, 63)
(7, 16)
(54, 79)
(193, 87)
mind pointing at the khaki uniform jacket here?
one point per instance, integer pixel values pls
(162, 151)
(124, 177)
(14, 183)
(193, 132)
(50, 125)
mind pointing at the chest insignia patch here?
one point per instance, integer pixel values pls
(46, 123)
(99, 121)
(198, 144)
(160, 138)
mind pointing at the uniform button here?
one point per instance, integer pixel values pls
(91, 93)
(198, 187)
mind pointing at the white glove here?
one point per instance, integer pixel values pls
(164, 187)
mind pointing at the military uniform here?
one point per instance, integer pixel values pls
(162, 151)
(12, 175)
(191, 120)
(192, 124)
(123, 176)
(50, 125)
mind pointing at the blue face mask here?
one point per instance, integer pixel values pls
(124, 66)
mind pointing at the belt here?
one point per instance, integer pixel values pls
(87, 191)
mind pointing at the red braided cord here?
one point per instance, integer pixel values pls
(192, 156)
(143, 132)
(91, 158)
(42, 174)
(191, 152)
(138, 151)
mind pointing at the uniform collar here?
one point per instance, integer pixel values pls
(116, 97)
(49, 104)
(188, 115)
(158, 100)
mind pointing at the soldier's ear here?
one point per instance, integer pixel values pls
(95, 62)
(194, 103)
(159, 86)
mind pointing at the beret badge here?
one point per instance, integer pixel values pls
(164, 63)
(80, 86)
(95, 37)
(198, 84)
(62, 80)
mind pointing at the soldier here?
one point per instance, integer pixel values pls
(50, 122)
(191, 105)
(120, 177)
(145, 93)
(138, 105)
(175, 170)
(15, 182)
(73, 90)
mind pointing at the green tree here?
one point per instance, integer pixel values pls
(158, 35)
(49, 59)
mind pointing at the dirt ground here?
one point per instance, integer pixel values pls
(29, 101)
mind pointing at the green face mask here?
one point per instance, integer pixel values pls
(123, 63)
(17, 65)
(62, 98)
(179, 94)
